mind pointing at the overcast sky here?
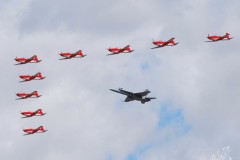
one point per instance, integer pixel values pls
(197, 84)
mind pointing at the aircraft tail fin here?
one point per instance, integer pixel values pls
(41, 128)
(227, 35)
(172, 41)
(35, 93)
(40, 111)
(39, 75)
(35, 58)
(80, 53)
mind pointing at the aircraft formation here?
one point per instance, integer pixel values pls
(139, 96)
(34, 94)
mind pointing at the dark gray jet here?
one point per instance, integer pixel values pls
(141, 96)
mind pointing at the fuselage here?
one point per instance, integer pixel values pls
(27, 95)
(164, 43)
(33, 59)
(30, 114)
(31, 77)
(218, 38)
(32, 130)
(126, 49)
(71, 55)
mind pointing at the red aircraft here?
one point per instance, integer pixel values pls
(114, 51)
(160, 44)
(67, 55)
(28, 95)
(28, 131)
(38, 112)
(33, 59)
(37, 76)
(219, 38)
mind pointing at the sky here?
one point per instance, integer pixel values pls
(196, 112)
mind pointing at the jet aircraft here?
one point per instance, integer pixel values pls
(28, 114)
(29, 131)
(141, 96)
(67, 55)
(28, 95)
(160, 44)
(37, 76)
(215, 38)
(33, 59)
(114, 51)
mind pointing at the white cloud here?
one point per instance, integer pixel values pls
(84, 119)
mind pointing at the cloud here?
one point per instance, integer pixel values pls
(84, 119)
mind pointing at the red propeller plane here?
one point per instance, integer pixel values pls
(37, 76)
(219, 38)
(28, 95)
(33, 59)
(67, 55)
(29, 131)
(114, 51)
(160, 44)
(28, 114)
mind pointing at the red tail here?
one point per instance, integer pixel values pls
(79, 53)
(40, 111)
(40, 75)
(172, 40)
(35, 93)
(35, 58)
(227, 35)
(41, 128)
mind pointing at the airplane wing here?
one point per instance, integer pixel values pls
(112, 54)
(117, 91)
(27, 134)
(25, 117)
(24, 80)
(20, 98)
(128, 99)
(174, 44)
(20, 63)
(159, 46)
(121, 91)
(65, 58)
(211, 41)
(142, 93)
(123, 49)
(149, 98)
